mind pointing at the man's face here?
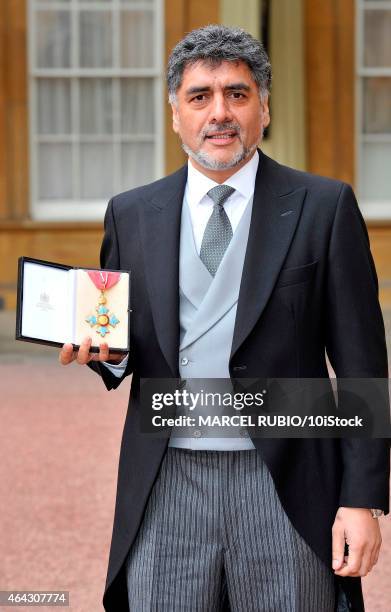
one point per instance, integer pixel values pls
(219, 115)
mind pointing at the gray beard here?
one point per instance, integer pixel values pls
(207, 162)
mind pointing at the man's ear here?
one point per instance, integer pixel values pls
(175, 117)
(265, 111)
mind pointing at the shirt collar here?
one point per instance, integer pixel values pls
(243, 180)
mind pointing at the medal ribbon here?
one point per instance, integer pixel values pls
(103, 280)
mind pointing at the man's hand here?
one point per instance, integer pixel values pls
(362, 534)
(83, 355)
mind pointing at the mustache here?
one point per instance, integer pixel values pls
(219, 127)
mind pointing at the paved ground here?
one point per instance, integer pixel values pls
(59, 444)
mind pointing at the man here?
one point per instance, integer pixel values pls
(240, 267)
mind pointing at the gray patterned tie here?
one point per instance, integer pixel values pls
(218, 231)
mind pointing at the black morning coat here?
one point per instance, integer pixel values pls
(308, 285)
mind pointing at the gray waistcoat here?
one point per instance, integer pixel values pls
(207, 319)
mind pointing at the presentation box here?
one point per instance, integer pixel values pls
(58, 304)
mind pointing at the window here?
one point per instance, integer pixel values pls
(96, 102)
(374, 107)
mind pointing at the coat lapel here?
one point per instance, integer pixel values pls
(275, 214)
(160, 219)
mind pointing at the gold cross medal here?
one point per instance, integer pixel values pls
(103, 319)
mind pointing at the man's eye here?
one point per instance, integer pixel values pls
(237, 95)
(199, 98)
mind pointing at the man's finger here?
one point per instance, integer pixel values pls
(83, 355)
(375, 557)
(338, 546)
(376, 552)
(104, 352)
(366, 563)
(66, 355)
(354, 562)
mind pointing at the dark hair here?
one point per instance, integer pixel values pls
(215, 44)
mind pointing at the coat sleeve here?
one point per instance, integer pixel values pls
(110, 259)
(356, 346)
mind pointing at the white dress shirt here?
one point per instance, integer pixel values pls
(201, 205)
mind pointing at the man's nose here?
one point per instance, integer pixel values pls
(220, 111)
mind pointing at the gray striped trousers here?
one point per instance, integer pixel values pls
(215, 537)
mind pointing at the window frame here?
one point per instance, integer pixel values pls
(373, 210)
(91, 209)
